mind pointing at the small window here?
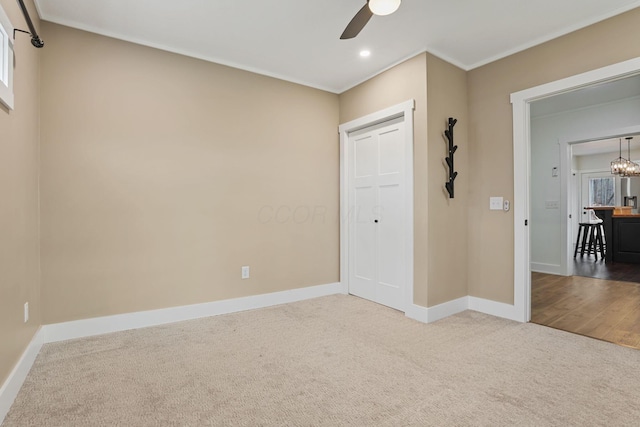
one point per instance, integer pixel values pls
(602, 191)
(6, 60)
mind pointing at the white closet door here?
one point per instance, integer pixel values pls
(376, 213)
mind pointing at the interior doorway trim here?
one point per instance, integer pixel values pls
(521, 166)
(405, 110)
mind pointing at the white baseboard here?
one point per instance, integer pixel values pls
(13, 384)
(449, 308)
(437, 312)
(540, 267)
(494, 308)
(122, 322)
(417, 312)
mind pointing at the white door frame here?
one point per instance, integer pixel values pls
(522, 173)
(405, 110)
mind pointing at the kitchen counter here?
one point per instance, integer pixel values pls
(621, 211)
(621, 233)
(625, 243)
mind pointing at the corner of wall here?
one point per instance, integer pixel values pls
(19, 161)
(447, 227)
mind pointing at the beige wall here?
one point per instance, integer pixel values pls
(162, 175)
(400, 83)
(490, 133)
(440, 229)
(19, 256)
(447, 97)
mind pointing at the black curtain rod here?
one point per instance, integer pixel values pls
(35, 38)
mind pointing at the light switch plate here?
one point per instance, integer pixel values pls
(496, 203)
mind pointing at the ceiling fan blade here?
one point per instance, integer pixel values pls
(357, 23)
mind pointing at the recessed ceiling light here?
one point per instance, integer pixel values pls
(365, 53)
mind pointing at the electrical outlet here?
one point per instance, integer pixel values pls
(245, 272)
(26, 312)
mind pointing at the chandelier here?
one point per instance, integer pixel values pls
(622, 166)
(619, 165)
(632, 169)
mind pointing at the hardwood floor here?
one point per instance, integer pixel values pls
(604, 309)
(588, 266)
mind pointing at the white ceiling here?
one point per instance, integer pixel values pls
(591, 95)
(604, 146)
(611, 91)
(298, 40)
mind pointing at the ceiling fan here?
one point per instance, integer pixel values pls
(373, 7)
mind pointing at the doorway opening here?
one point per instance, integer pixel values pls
(596, 298)
(555, 205)
(521, 105)
(596, 187)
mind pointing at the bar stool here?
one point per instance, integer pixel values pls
(592, 240)
(596, 242)
(584, 232)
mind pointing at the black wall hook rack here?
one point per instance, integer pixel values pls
(452, 149)
(35, 38)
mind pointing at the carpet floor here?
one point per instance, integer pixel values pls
(332, 361)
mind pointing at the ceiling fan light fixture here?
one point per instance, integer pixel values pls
(384, 7)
